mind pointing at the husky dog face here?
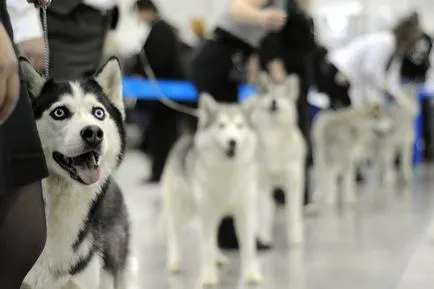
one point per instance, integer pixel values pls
(277, 102)
(225, 127)
(80, 123)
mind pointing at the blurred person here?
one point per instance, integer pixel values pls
(289, 51)
(365, 64)
(416, 70)
(218, 66)
(221, 62)
(163, 52)
(77, 32)
(22, 167)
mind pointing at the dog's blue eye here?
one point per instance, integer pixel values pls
(60, 113)
(99, 113)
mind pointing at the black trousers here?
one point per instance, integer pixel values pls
(160, 133)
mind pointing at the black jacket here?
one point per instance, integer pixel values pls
(293, 43)
(163, 51)
(416, 62)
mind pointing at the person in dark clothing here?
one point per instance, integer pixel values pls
(326, 79)
(22, 167)
(77, 53)
(415, 66)
(291, 49)
(163, 53)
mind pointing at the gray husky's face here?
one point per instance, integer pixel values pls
(225, 127)
(80, 123)
(277, 102)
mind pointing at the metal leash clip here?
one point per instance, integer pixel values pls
(44, 4)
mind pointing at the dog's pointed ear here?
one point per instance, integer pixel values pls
(207, 103)
(249, 106)
(263, 83)
(34, 80)
(292, 87)
(207, 107)
(109, 77)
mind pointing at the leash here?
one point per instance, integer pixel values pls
(162, 97)
(44, 7)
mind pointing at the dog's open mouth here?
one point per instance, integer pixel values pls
(83, 168)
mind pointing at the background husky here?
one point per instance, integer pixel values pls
(81, 129)
(399, 140)
(213, 174)
(282, 155)
(339, 138)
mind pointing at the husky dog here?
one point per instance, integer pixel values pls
(281, 155)
(213, 174)
(339, 138)
(399, 140)
(81, 128)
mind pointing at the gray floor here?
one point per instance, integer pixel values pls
(383, 242)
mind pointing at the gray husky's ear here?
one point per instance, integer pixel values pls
(249, 106)
(292, 85)
(207, 108)
(263, 84)
(207, 103)
(34, 80)
(109, 77)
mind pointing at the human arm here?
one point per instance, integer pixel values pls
(28, 33)
(249, 11)
(9, 79)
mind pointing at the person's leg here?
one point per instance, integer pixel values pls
(22, 233)
(164, 136)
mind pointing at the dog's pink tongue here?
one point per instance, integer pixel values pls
(88, 175)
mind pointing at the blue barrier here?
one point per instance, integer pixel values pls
(185, 91)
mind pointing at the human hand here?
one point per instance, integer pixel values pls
(277, 71)
(34, 50)
(39, 3)
(273, 19)
(9, 79)
(253, 69)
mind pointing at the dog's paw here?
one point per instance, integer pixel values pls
(222, 260)
(174, 267)
(253, 275)
(209, 280)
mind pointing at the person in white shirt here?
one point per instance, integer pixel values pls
(28, 34)
(365, 63)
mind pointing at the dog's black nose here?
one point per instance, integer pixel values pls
(92, 135)
(273, 105)
(232, 144)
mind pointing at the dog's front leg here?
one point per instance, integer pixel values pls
(329, 181)
(266, 208)
(246, 233)
(294, 209)
(406, 165)
(209, 220)
(349, 183)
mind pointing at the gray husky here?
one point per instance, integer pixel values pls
(281, 155)
(399, 140)
(339, 139)
(81, 128)
(213, 174)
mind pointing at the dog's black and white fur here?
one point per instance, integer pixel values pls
(81, 129)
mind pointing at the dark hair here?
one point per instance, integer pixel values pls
(146, 5)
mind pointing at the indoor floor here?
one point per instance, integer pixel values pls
(383, 242)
